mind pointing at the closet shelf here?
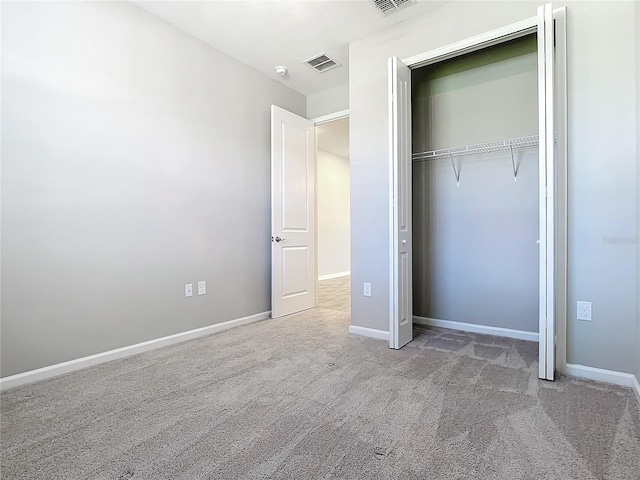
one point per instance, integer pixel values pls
(522, 142)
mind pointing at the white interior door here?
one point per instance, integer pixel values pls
(293, 265)
(547, 189)
(401, 296)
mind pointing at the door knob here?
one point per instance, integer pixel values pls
(278, 239)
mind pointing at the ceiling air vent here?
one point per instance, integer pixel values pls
(322, 63)
(389, 6)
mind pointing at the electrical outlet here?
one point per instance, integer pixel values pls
(584, 311)
(367, 290)
(202, 287)
(188, 290)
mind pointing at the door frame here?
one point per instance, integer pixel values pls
(556, 215)
(329, 117)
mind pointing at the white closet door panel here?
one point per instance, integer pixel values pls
(546, 118)
(401, 297)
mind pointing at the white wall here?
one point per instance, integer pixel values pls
(333, 214)
(602, 87)
(135, 159)
(328, 101)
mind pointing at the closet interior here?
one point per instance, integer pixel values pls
(475, 188)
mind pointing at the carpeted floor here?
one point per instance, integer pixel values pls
(335, 294)
(298, 397)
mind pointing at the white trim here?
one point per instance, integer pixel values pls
(72, 365)
(478, 42)
(543, 273)
(330, 117)
(392, 67)
(472, 327)
(560, 22)
(333, 275)
(550, 111)
(369, 332)
(602, 375)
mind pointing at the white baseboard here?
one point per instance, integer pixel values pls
(333, 275)
(471, 327)
(601, 375)
(369, 332)
(71, 365)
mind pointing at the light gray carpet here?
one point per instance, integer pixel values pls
(299, 398)
(335, 294)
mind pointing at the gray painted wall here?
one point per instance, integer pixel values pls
(328, 101)
(602, 181)
(135, 159)
(332, 186)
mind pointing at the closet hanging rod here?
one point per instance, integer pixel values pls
(521, 142)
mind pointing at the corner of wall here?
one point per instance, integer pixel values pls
(328, 101)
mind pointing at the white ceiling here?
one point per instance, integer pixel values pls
(333, 137)
(267, 33)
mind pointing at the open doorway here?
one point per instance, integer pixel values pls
(333, 217)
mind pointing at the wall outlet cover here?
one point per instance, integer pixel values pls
(367, 290)
(202, 287)
(584, 311)
(188, 290)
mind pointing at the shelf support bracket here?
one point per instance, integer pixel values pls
(513, 163)
(456, 171)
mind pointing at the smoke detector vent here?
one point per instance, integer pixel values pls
(322, 63)
(389, 6)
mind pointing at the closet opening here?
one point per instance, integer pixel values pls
(475, 191)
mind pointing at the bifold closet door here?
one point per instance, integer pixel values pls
(401, 297)
(547, 190)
